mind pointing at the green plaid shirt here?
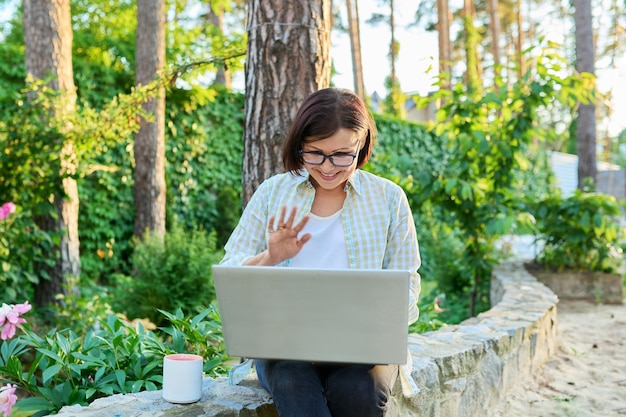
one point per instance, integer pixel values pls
(377, 222)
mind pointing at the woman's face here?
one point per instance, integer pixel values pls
(341, 145)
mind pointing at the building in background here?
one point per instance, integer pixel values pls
(611, 177)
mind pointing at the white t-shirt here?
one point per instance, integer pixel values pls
(327, 246)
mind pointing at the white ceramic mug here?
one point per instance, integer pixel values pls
(182, 378)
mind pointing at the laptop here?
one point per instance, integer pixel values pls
(318, 315)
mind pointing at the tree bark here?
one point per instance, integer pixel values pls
(472, 73)
(519, 44)
(48, 41)
(288, 59)
(586, 126)
(393, 47)
(355, 47)
(216, 17)
(150, 140)
(443, 28)
(494, 19)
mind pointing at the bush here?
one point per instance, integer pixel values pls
(22, 246)
(203, 147)
(168, 274)
(65, 368)
(580, 232)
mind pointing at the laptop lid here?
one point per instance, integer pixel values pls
(326, 315)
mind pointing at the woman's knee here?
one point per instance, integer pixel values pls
(360, 391)
(291, 376)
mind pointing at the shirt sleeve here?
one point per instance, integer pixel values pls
(403, 250)
(249, 237)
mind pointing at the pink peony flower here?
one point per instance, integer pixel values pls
(6, 210)
(22, 308)
(10, 318)
(7, 399)
(4, 310)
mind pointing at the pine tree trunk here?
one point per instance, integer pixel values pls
(150, 140)
(393, 48)
(519, 44)
(288, 59)
(355, 47)
(48, 41)
(472, 74)
(223, 74)
(443, 28)
(586, 126)
(494, 19)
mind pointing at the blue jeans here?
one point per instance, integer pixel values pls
(305, 389)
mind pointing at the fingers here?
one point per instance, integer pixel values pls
(305, 238)
(298, 227)
(287, 222)
(292, 216)
(270, 224)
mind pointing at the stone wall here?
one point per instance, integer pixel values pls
(463, 370)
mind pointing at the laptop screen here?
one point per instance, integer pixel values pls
(329, 315)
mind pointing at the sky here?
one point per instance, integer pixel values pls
(418, 51)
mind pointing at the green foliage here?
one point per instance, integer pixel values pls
(409, 154)
(106, 215)
(488, 137)
(405, 149)
(205, 193)
(82, 307)
(65, 368)
(204, 147)
(30, 165)
(204, 151)
(103, 49)
(394, 101)
(22, 245)
(429, 320)
(580, 232)
(34, 162)
(169, 273)
(201, 335)
(469, 172)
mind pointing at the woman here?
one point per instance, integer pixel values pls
(325, 212)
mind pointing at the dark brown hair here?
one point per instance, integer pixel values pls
(320, 116)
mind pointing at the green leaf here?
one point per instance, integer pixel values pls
(450, 185)
(35, 404)
(50, 354)
(90, 392)
(136, 387)
(121, 378)
(89, 360)
(466, 191)
(50, 372)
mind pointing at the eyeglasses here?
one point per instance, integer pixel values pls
(337, 159)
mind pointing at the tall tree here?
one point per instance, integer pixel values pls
(150, 140)
(223, 17)
(288, 59)
(443, 29)
(48, 41)
(216, 17)
(394, 100)
(355, 47)
(586, 124)
(519, 41)
(393, 44)
(494, 26)
(472, 41)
